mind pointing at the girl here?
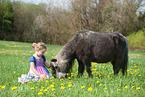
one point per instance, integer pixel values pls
(37, 61)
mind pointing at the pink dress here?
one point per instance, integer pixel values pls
(39, 67)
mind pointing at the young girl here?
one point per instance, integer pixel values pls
(37, 61)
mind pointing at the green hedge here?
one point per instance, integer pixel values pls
(137, 40)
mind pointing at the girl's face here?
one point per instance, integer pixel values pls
(41, 52)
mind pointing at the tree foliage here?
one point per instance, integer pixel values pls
(56, 25)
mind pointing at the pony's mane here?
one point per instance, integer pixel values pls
(66, 55)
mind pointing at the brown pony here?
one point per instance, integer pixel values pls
(89, 46)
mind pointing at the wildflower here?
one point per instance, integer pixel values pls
(40, 93)
(70, 85)
(126, 87)
(48, 87)
(100, 84)
(98, 81)
(118, 89)
(127, 70)
(61, 79)
(139, 75)
(62, 87)
(51, 85)
(82, 87)
(69, 77)
(62, 84)
(18, 74)
(135, 70)
(132, 87)
(90, 89)
(14, 71)
(3, 87)
(30, 82)
(52, 89)
(138, 88)
(96, 77)
(33, 79)
(105, 87)
(45, 89)
(32, 88)
(13, 88)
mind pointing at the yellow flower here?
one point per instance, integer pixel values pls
(135, 70)
(41, 78)
(30, 82)
(18, 74)
(96, 77)
(51, 85)
(53, 89)
(45, 89)
(139, 75)
(3, 87)
(62, 84)
(90, 89)
(70, 85)
(132, 87)
(40, 93)
(138, 88)
(82, 87)
(13, 88)
(69, 77)
(100, 84)
(14, 71)
(62, 87)
(105, 87)
(48, 87)
(32, 88)
(33, 79)
(118, 89)
(126, 87)
(98, 81)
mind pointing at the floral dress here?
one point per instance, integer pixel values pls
(39, 67)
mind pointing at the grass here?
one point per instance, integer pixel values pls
(14, 61)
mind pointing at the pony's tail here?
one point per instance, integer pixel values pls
(125, 59)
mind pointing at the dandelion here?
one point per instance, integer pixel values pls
(135, 70)
(132, 87)
(3, 87)
(62, 84)
(96, 77)
(69, 77)
(62, 87)
(82, 87)
(13, 88)
(33, 79)
(51, 85)
(40, 93)
(139, 75)
(105, 87)
(48, 87)
(14, 71)
(30, 82)
(118, 89)
(100, 84)
(138, 88)
(45, 90)
(98, 81)
(52, 89)
(70, 85)
(126, 87)
(18, 74)
(32, 88)
(90, 89)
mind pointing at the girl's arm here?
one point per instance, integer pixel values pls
(32, 66)
(46, 64)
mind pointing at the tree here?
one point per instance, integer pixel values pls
(6, 20)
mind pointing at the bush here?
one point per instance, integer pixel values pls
(137, 40)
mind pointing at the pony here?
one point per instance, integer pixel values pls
(89, 46)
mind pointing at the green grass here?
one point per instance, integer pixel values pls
(14, 61)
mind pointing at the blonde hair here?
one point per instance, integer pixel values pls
(39, 45)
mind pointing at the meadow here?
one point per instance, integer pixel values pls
(14, 61)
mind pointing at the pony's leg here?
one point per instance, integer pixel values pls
(88, 69)
(116, 66)
(81, 68)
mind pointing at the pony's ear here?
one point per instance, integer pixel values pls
(54, 60)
